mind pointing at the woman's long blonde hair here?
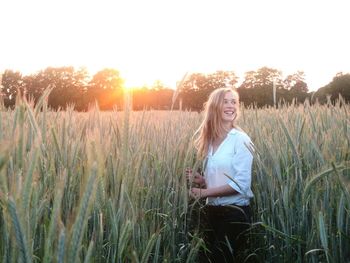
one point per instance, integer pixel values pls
(212, 127)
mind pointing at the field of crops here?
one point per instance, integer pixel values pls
(110, 186)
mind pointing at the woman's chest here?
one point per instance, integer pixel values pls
(222, 159)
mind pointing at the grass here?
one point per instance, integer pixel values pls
(110, 186)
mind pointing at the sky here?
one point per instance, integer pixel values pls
(149, 40)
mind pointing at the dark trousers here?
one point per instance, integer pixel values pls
(224, 232)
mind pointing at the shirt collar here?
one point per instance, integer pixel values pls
(233, 131)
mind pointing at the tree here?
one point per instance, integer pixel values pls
(249, 80)
(156, 97)
(257, 87)
(12, 83)
(262, 78)
(296, 82)
(67, 83)
(196, 89)
(106, 87)
(296, 86)
(340, 85)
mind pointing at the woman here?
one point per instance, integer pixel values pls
(226, 184)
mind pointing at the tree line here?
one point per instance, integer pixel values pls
(75, 87)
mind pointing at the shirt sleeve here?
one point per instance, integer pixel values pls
(242, 165)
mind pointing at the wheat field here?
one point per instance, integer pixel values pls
(110, 186)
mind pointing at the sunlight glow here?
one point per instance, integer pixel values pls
(161, 40)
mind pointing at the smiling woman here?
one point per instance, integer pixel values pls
(226, 182)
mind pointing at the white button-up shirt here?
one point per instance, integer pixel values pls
(231, 164)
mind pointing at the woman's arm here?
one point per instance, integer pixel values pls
(224, 190)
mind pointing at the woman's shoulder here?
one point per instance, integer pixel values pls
(241, 139)
(240, 134)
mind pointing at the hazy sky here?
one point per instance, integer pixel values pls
(148, 40)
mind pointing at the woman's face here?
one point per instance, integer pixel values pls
(229, 107)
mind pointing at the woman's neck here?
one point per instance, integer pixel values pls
(223, 132)
(226, 127)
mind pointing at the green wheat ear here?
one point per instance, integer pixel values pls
(21, 239)
(82, 216)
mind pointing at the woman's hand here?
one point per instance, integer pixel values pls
(197, 193)
(195, 178)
